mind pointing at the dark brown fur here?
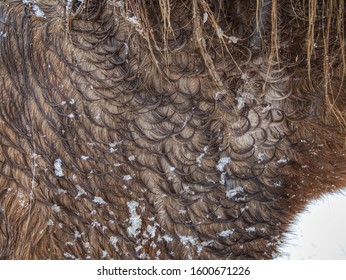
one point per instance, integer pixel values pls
(181, 132)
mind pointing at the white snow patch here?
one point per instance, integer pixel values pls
(80, 191)
(200, 157)
(226, 233)
(131, 158)
(185, 239)
(56, 208)
(71, 116)
(58, 168)
(99, 200)
(84, 157)
(127, 177)
(104, 254)
(250, 229)
(112, 146)
(233, 192)
(171, 169)
(95, 224)
(203, 244)
(133, 20)
(260, 157)
(70, 256)
(138, 248)
(205, 17)
(233, 39)
(222, 163)
(114, 240)
(223, 178)
(167, 238)
(135, 219)
(119, 3)
(243, 98)
(38, 11)
(282, 160)
(61, 191)
(50, 222)
(151, 230)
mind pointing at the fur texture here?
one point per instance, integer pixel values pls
(184, 129)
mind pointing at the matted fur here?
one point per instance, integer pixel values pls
(184, 129)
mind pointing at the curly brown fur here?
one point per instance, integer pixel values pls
(184, 129)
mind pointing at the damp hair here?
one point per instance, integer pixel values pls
(187, 129)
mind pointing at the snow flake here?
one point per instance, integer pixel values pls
(84, 157)
(151, 230)
(104, 254)
(38, 11)
(60, 191)
(233, 192)
(80, 191)
(114, 240)
(120, 3)
(233, 39)
(250, 229)
(138, 248)
(171, 169)
(131, 158)
(99, 200)
(67, 255)
(205, 17)
(245, 76)
(95, 224)
(226, 233)
(56, 208)
(167, 238)
(199, 159)
(133, 20)
(142, 256)
(200, 246)
(127, 177)
(283, 159)
(185, 239)
(222, 163)
(135, 220)
(260, 157)
(58, 168)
